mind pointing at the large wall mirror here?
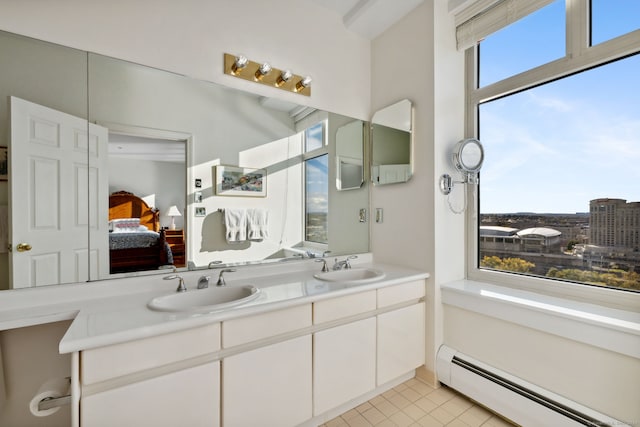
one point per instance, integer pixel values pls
(392, 136)
(156, 154)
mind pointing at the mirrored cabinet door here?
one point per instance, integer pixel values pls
(392, 144)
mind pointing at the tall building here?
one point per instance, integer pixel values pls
(614, 222)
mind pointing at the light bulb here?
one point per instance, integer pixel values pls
(263, 70)
(304, 83)
(240, 62)
(284, 77)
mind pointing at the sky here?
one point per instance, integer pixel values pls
(554, 148)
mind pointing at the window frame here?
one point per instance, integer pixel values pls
(579, 56)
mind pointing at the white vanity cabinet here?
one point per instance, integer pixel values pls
(401, 340)
(269, 384)
(344, 356)
(290, 366)
(166, 380)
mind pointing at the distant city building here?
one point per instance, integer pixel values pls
(540, 239)
(614, 223)
(536, 239)
(496, 238)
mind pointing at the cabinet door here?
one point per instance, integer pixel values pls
(269, 386)
(190, 397)
(344, 364)
(400, 342)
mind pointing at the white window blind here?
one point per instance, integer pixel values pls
(485, 17)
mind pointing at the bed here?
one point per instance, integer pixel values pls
(136, 241)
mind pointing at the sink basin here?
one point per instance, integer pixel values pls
(205, 300)
(351, 275)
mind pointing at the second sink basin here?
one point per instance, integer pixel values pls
(351, 275)
(204, 300)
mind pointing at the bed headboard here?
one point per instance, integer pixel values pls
(123, 204)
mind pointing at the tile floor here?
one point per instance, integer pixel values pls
(416, 404)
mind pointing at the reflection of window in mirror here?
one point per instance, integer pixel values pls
(314, 137)
(316, 184)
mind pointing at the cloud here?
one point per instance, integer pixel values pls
(555, 104)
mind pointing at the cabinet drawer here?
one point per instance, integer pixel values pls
(253, 328)
(103, 363)
(400, 293)
(341, 307)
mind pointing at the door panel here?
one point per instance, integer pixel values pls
(49, 160)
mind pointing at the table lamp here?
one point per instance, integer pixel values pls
(173, 213)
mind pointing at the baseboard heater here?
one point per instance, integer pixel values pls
(515, 399)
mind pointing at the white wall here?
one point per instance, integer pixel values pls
(418, 229)
(190, 37)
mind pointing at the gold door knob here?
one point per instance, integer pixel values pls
(23, 247)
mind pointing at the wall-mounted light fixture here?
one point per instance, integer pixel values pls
(264, 73)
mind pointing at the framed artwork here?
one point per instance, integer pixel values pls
(238, 181)
(4, 164)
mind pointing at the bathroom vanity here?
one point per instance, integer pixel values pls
(299, 353)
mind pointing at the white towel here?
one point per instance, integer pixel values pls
(4, 228)
(257, 224)
(236, 222)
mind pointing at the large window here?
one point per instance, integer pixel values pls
(316, 177)
(559, 195)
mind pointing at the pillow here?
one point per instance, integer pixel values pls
(125, 224)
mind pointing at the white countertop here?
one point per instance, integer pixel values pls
(114, 311)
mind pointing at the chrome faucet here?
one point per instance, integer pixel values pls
(212, 264)
(181, 286)
(221, 281)
(344, 264)
(203, 282)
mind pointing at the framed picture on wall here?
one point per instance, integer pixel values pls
(238, 181)
(4, 164)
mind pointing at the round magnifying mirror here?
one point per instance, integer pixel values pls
(468, 155)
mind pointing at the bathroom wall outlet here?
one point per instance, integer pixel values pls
(198, 183)
(378, 215)
(197, 197)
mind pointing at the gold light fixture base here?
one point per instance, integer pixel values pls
(272, 79)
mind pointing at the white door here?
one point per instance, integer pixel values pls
(49, 191)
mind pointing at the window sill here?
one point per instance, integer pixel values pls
(608, 328)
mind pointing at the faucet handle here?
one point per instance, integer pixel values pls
(181, 286)
(221, 281)
(324, 264)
